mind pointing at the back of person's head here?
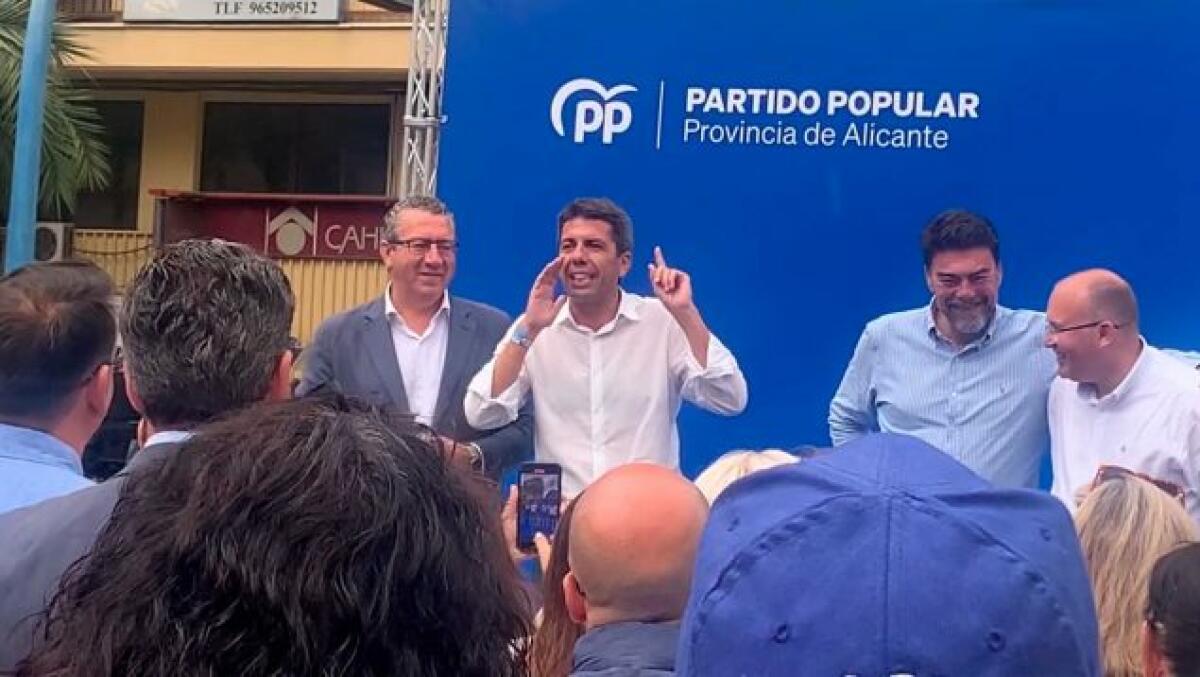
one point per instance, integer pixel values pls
(735, 465)
(1125, 524)
(1173, 615)
(885, 556)
(634, 536)
(552, 643)
(57, 333)
(308, 537)
(206, 326)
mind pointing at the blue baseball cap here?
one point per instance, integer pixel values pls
(887, 557)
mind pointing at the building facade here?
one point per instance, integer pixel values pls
(279, 98)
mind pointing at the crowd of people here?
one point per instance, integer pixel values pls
(351, 523)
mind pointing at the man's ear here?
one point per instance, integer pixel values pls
(98, 392)
(575, 598)
(281, 380)
(131, 392)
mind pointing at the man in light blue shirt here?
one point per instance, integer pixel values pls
(57, 332)
(205, 330)
(963, 374)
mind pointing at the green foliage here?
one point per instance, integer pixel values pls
(74, 157)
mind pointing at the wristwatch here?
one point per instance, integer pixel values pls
(520, 336)
(474, 455)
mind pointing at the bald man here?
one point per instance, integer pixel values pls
(1117, 400)
(634, 536)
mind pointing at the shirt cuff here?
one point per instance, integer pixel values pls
(485, 412)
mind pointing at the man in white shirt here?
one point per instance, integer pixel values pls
(607, 370)
(1117, 400)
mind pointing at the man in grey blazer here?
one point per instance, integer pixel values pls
(206, 330)
(416, 347)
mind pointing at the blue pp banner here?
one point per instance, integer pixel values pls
(787, 154)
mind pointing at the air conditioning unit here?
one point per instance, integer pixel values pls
(52, 241)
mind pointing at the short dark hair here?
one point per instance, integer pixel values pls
(956, 230)
(601, 209)
(318, 536)
(1173, 608)
(204, 324)
(57, 325)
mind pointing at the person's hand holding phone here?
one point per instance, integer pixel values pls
(542, 543)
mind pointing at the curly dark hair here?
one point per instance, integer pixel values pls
(313, 537)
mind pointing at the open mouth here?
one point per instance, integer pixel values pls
(579, 279)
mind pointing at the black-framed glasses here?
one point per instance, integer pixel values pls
(1052, 330)
(116, 361)
(422, 246)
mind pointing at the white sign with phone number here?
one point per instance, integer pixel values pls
(232, 10)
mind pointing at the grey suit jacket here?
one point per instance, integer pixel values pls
(40, 542)
(353, 353)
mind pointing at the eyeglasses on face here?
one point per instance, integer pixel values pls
(421, 246)
(1052, 329)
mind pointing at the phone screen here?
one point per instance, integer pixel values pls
(539, 495)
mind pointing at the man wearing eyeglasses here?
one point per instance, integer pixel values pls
(416, 347)
(1117, 400)
(964, 374)
(57, 332)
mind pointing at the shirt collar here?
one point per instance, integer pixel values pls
(168, 437)
(389, 308)
(28, 444)
(629, 306)
(1131, 379)
(988, 331)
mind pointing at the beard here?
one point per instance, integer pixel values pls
(968, 319)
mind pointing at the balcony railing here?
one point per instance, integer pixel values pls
(369, 11)
(91, 10)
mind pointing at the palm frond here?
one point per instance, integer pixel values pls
(74, 157)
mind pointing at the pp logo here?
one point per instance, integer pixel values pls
(603, 114)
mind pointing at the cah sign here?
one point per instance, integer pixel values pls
(314, 227)
(789, 159)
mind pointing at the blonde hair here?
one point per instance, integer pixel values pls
(1125, 525)
(735, 465)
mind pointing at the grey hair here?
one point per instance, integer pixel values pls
(425, 203)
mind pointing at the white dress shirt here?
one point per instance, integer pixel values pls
(1150, 424)
(609, 397)
(421, 356)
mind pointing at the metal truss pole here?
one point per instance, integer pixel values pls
(423, 98)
